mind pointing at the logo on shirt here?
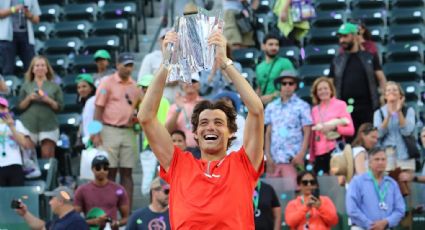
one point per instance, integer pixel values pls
(157, 224)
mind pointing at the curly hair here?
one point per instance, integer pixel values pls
(221, 105)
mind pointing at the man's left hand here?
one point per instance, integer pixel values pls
(379, 225)
(217, 39)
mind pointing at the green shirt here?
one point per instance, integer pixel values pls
(266, 81)
(38, 116)
(164, 105)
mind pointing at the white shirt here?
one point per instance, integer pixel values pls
(88, 115)
(150, 64)
(356, 151)
(10, 146)
(238, 142)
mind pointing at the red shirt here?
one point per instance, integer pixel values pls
(211, 195)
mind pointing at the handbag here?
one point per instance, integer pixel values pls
(245, 19)
(302, 10)
(87, 156)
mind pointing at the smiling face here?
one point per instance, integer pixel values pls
(392, 92)
(324, 92)
(40, 68)
(84, 89)
(212, 132)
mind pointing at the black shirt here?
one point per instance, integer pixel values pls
(267, 201)
(70, 221)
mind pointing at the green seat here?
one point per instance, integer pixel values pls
(62, 46)
(14, 84)
(320, 54)
(403, 71)
(304, 92)
(48, 179)
(87, 11)
(407, 3)
(59, 63)
(109, 43)
(405, 51)
(407, 15)
(51, 13)
(69, 86)
(78, 29)
(70, 104)
(368, 4)
(330, 5)
(378, 33)
(406, 33)
(248, 57)
(322, 36)
(331, 18)
(370, 16)
(309, 73)
(292, 53)
(43, 30)
(411, 90)
(249, 75)
(113, 27)
(28, 194)
(83, 64)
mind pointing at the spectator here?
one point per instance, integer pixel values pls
(115, 103)
(308, 210)
(12, 137)
(86, 98)
(104, 194)
(40, 99)
(215, 81)
(293, 31)
(181, 111)
(353, 70)
(407, 177)
(216, 191)
(366, 139)
(232, 9)
(17, 37)
(102, 59)
(374, 200)
(61, 205)
(288, 120)
(331, 122)
(233, 99)
(269, 69)
(364, 38)
(156, 215)
(179, 139)
(267, 211)
(394, 121)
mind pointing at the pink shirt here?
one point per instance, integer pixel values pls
(184, 120)
(336, 109)
(115, 95)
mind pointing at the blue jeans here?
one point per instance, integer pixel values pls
(9, 49)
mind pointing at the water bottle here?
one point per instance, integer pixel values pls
(22, 20)
(64, 141)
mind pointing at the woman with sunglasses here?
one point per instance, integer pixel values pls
(310, 210)
(331, 121)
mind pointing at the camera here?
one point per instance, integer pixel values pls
(16, 204)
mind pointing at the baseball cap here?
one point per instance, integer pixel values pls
(158, 183)
(61, 192)
(146, 80)
(4, 102)
(84, 77)
(348, 28)
(99, 160)
(126, 58)
(102, 54)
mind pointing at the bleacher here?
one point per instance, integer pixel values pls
(72, 30)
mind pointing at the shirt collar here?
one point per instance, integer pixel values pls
(291, 99)
(117, 79)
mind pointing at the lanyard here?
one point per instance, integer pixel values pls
(323, 115)
(3, 138)
(256, 196)
(381, 194)
(307, 215)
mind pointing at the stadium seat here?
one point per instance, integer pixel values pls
(411, 90)
(43, 30)
(332, 18)
(330, 4)
(322, 36)
(407, 16)
(309, 73)
(370, 17)
(405, 52)
(69, 86)
(19, 67)
(70, 104)
(264, 6)
(51, 13)
(59, 63)
(304, 92)
(110, 43)
(408, 32)
(69, 122)
(265, 21)
(83, 64)
(113, 27)
(320, 54)
(248, 57)
(62, 46)
(72, 29)
(292, 53)
(87, 11)
(368, 4)
(403, 71)
(407, 3)
(378, 33)
(60, 2)
(14, 84)
(38, 46)
(249, 75)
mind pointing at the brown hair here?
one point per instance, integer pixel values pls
(316, 83)
(29, 75)
(221, 105)
(364, 129)
(383, 101)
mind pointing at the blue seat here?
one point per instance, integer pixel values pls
(62, 46)
(370, 16)
(331, 18)
(405, 51)
(320, 54)
(248, 57)
(403, 71)
(330, 5)
(43, 30)
(408, 33)
(292, 53)
(51, 13)
(407, 15)
(59, 63)
(322, 36)
(87, 11)
(83, 64)
(309, 73)
(78, 29)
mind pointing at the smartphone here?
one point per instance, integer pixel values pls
(316, 193)
(16, 204)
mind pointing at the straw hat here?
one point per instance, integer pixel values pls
(342, 164)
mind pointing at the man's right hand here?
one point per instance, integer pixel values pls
(22, 210)
(97, 140)
(33, 96)
(170, 37)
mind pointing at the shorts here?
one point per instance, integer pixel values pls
(120, 143)
(12, 175)
(39, 137)
(322, 163)
(232, 33)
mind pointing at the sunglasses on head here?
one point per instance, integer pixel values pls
(285, 83)
(306, 182)
(99, 167)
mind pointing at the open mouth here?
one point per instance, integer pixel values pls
(210, 137)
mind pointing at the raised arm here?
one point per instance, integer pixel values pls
(253, 144)
(158, 136)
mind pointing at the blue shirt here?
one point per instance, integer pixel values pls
(287, 121)
(71, 220)
(391, 136)
(145, 219)
(362, 202)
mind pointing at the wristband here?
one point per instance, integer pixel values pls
(13, 9)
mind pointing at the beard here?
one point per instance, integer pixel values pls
(271, 55)
(347, 46)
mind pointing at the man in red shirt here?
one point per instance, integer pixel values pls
(214, 192)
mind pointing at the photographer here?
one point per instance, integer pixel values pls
(61, 205)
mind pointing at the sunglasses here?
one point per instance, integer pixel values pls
(285, 83)
(306, 182)
(127, 97)
(99, 167)
(165, 190)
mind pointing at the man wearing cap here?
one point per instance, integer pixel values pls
(116, 101)
(61, 205)
(270, 68)
(12, 138)
(156, 215)
(357, 75)
(147, 158)
(374, 200)
(102, 59)
(104, 194)
(288, 125)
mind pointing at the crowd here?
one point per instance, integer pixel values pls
(208, 136)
